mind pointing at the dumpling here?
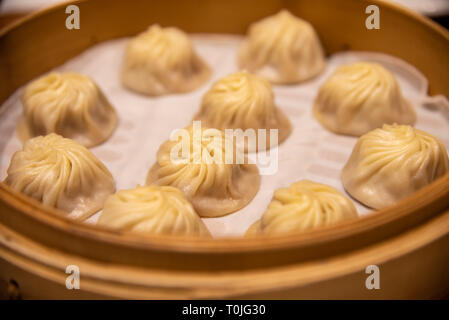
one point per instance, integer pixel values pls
(391, 163)
(244, 101)
(302, 206)
(196, 161)
(360, 97)
(152, 210)
(69, 104)
(282, 49)
(60, 173)
(161, 61)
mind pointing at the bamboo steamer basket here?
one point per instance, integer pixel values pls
(409, 242)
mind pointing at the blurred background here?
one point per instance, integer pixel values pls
(438, 10)
(11, 10)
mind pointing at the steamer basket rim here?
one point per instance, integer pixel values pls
(409, 210)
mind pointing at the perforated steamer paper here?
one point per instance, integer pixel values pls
(311, 152)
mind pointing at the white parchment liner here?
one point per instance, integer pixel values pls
(311, 152)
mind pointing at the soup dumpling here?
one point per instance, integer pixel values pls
(360, 97)
(244, 101)
(152, 210)
(283, 49)
(214, 185)
(389, 164)
(68, 104)
(60, 173)
(162, 61)
(303, 206)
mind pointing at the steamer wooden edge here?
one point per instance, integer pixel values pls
(22, 218)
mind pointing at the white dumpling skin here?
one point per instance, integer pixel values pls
(214, 186)
(304, 205)
(392, 162)
(68, 104)
(244, 101)
(162, 61)
(61, 173)
(361, 97)
(283, 49)
(152, 210)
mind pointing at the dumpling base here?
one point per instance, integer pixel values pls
(210, 205)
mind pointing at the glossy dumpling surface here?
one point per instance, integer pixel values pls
(244, 101)
(215, 185)
(388, 164)
(302, 206)
(60, 173)
(360, 97)
(283, 49)
(68, 104)
(162, 61)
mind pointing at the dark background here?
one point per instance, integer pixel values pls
(444, 21)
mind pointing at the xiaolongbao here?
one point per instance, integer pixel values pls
(152, 210)
(69, 104)
(302, 206)
(61, 173)
(161, 61)
(360, 97)
(391, 163)
(282, 49)
(244, 101)
(198, 163)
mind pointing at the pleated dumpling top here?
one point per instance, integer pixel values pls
(196, 161)
(283, 49)
(392, 162)
(61, 173)
(245, 101)
(161, 61)
(361, 97)
(69, 104)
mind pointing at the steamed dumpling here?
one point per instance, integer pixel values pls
(360, 97)
(215, 185)
(391, 163)
(69, 104)
(60, 173)
(244, 101)
(152, 210)
(283, 49)
(302, 206)
(161, 61)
